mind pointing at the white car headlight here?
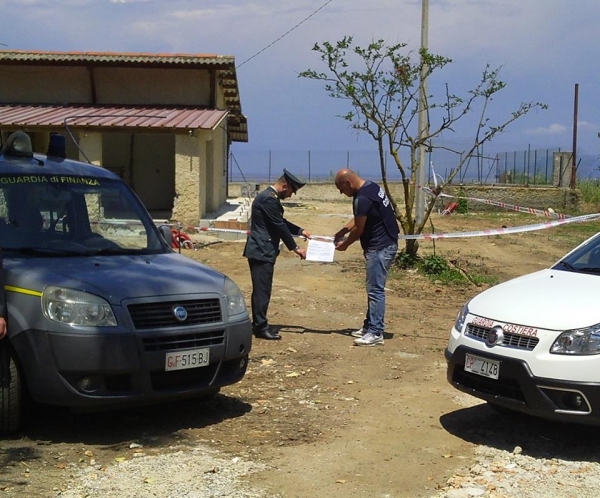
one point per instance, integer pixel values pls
(75, 307)
(578, 341)
(462, 316)
(235, 299)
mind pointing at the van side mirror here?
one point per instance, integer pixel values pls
(165, 231)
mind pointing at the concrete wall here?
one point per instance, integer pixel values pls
(123, 86)
(36, 85)
(559, 199)
(220, 160)
(158, 86)
(190, 178)
(91, 145)
(562, 169)
(216, 173)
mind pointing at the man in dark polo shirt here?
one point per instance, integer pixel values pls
(267, 228)
(375, 225)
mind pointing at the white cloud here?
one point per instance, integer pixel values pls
(553, 129)
(588, 125)
(213, 12)
(43, 4)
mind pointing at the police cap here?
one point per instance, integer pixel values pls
(293, 180)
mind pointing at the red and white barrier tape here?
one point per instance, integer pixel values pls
(505, 205)
(454, 235)
(503, 231)
(560, 219)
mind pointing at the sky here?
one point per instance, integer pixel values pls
(544, 48)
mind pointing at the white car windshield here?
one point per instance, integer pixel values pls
(584, 259)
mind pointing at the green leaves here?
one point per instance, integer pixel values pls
(386, 88)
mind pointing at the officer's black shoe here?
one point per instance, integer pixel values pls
(268, 334)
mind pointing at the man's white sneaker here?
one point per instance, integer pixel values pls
(358, 333)
(369, 339)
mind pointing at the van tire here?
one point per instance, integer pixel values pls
(10, 391)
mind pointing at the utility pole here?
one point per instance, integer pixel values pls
(423, 124)
(574, 154)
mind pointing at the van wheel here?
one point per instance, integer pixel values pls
(10, 391)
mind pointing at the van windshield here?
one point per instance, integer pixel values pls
(73, 215)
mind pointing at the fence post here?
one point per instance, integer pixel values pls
(269, 166)
(480, 165)
(528, 161)
(309, 166)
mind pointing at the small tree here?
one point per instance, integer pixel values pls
(385, 97)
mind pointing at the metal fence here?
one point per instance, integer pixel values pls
(531, 167)
(525, 167)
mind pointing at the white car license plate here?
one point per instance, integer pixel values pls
(192, 358)
(482, 366)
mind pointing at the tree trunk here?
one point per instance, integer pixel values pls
(411, 247)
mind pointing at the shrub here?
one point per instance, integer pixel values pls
(434, 265)
(463, 204)
(405, 260)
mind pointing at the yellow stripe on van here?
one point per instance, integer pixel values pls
(23, 291)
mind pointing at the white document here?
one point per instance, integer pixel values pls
(320, 250)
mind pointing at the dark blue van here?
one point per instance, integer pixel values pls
(101, 311)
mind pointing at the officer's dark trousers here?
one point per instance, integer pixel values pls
(261, 273)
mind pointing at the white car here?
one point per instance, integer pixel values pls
(532, 344)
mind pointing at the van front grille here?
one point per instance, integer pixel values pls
(184, 341)
(161, 314)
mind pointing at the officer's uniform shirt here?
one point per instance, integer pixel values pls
(268, 228)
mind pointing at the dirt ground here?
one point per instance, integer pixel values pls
(328, 418)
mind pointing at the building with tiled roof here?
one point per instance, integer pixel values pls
(163, 122)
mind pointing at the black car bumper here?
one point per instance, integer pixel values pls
(105, 370)
(518, 389)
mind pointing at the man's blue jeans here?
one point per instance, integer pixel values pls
(378, 265)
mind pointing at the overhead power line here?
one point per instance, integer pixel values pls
(286, 33)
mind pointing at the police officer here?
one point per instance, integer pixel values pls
(267, 228)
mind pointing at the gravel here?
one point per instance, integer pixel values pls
(186, 473)
(202, 472)
(499, 473)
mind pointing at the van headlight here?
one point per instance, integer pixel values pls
(236, 304)
(75, 307)
(461, 317)
(578, 341)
